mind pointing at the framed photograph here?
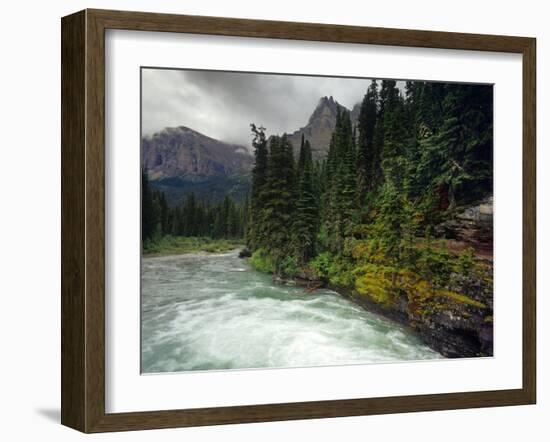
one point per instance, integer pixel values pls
(269, 220)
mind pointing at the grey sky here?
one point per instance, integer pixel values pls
(222, 104)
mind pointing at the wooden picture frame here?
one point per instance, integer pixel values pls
(83, 220)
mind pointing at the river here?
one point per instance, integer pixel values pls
(212, 312)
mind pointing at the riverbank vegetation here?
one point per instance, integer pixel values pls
(193, 226)
(176, 245)
(365, 218)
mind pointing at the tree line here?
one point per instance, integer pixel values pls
(408, 162)
(192, 218)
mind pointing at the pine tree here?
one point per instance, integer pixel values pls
(150, 210)
(366, 152)
(301, 157)
(456, 160)
(395, 136)
(255, 236)
(414, 156)
(393, 227)
(305, 222)
(164, 213)
(339, 201)
(278, 213)
(245, 217)
(348, 179)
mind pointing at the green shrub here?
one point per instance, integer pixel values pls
(435, 265)
(289, 266)
(174, 245)
(261, 261)
(466, 261)
(337, 270)
(321, 265)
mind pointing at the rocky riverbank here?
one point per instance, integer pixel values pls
(454, 324)
(449, 322)
(451, 310)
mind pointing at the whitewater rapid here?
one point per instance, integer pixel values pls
(212, 312)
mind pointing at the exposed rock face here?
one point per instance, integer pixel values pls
(455, 327)
(472, 227)
(181, 152)
(354, 115)
(459, 327)
(319, 128)
(454, 318)
(180, 160)
(457, 319)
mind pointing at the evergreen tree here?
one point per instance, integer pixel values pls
(393, 227)
(255, 236)
(348, 179)
(150, 210)
(366, 153)
(339, 200)
(301, 157)
(164, 213)
(456, 160)
(278, 214)
(415, 156)
(305, 222)
(395, 136)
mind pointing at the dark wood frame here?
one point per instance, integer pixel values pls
(83, 217)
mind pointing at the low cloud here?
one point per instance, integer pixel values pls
(223, 104)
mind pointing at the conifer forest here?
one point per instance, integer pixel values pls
(395, 215)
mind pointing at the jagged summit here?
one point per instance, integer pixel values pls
(320, 126)
(180, 160)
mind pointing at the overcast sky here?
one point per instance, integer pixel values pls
(223, 104)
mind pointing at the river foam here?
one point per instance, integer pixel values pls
(213, 312)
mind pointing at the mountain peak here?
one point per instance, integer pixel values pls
(319, 128)
(179, 131)
(180, 151)
(326, 100)
(325, 112)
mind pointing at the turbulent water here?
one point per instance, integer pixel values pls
(211, 312)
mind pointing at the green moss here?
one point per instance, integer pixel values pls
(460, 298)
(466, 261)
(365, 269)
(376, 290)
(376, 283)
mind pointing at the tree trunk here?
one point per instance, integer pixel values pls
(451, 196)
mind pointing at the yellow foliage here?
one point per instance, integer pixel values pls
(460, 298)
(382, 285)
(360, 250)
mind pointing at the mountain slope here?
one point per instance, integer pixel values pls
(181, 152)
(180, 160)
(320, 126)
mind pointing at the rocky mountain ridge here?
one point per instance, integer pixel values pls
(320, 126)
(181, 152)
(180, 160)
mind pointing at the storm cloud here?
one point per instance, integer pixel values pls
(223, 104)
